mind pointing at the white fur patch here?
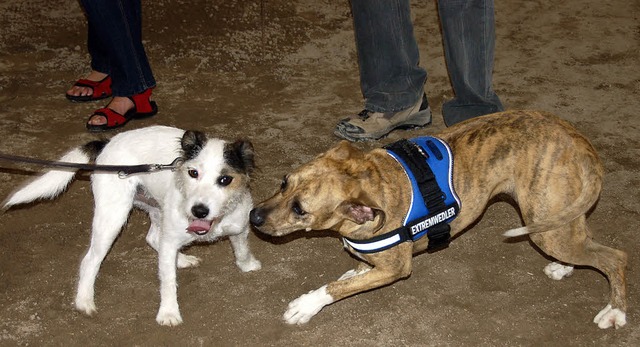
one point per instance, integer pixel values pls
(352, 273)
(185, 261)
(302, 309)
(557, 271)
(169, 317)
(516, 232)
(610, 317)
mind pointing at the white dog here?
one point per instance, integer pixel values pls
(204, 198)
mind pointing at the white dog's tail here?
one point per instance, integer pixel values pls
(54, 182)
(590, 192)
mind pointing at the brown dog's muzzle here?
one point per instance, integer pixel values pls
(262, 219)
(257, 216)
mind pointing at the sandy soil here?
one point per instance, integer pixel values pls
(282, 73)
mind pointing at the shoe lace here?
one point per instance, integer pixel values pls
(364, 114)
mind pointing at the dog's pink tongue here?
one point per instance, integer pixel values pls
(199, 225)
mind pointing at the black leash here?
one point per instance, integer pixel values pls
(122, 170)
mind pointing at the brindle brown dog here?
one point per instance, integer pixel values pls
(541, 161)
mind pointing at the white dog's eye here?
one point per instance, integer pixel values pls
(193, 173)
(225, 180)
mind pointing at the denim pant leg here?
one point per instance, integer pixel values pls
(388, 55)
(115, 44)
(468, 28)
(99, 56)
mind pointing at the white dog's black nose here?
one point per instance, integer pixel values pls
(199, 211)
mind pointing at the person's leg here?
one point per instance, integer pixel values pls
(118, 27)
(99, 70)
(468, 28)
(388, 55)
(390, 77)
(97, 50)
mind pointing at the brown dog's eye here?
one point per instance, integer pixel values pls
(283, 185)
(225, 180)
(297, 209)
(193, 173)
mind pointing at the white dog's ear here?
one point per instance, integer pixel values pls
(240, 156)
(192, 142)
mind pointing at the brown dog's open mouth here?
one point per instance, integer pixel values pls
(200, 226)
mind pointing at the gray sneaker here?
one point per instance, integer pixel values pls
(368, 125)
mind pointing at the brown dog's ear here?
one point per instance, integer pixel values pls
(342, 151)
(359, 214)
(362, 210)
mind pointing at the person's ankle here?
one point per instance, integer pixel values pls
(96, 76)
(121, 104)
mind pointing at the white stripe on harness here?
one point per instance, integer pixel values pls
(371, 246)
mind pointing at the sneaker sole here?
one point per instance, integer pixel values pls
(418, 120)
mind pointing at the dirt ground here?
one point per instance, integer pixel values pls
(282, 73)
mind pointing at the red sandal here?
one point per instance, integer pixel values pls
(142, 108)
(101, 90)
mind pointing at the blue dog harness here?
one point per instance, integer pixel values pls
(428, 163)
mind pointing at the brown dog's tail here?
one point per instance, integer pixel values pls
(590, 192)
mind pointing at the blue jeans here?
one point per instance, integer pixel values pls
(390, 76)
(115, 44)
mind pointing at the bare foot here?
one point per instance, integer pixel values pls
(119, 104)
(83, 91)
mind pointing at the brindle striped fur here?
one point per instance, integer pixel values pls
(549, 169)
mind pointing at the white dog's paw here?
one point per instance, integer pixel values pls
(185, 261)
(251, 264)
(610, 317)
(86, 306)
(168, 317)
(557, 271)
(302, 309)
